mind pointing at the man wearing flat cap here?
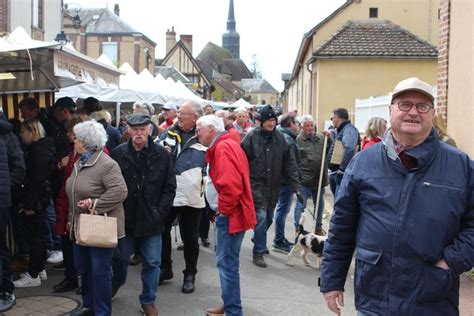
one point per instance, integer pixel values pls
(405, 206)
(148, 170)
(270, 158)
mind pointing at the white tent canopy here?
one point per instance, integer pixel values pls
(241, 103)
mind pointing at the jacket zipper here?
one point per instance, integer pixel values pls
(441, 186)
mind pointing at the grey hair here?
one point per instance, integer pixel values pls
(92, 134)
(197, 108)
(212, 120)
(144, 105)
(306, 118)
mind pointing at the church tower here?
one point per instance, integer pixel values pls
(231, 39)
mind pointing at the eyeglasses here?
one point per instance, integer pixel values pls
(422, 108)
(185, 113)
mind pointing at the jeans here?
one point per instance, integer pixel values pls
(334, 182)
(299, 208)
(281, 211)
(227, 260)
(95, 267)
(151, 257)
(53, 240)
(264, 221)
(6, 284)
(189, 218)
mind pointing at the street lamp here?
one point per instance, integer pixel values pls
(62, 38)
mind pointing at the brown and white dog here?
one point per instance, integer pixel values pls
(305, 243)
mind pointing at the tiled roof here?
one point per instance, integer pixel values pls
(257, 85)
(171, 72)
(214, 54)
(237, 69)
(104, 21)
(375, 39)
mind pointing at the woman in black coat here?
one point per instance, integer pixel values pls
(35, 195)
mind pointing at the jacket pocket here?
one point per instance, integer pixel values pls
(369, 275)
(437, 284)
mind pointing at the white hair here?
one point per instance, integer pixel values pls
(92, 134)
(212, 120)
(306, 118)
(196, 107)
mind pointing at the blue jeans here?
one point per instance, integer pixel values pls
(151, 260)
(334, 182)
(281, 211)
(299, 208)
(54, 241)
(227, 259)
(264, 221)
(94, 265)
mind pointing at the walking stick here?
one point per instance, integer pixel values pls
(323, 165)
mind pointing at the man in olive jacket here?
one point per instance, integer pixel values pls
(311, 149)
(148, 170)
(269, 158)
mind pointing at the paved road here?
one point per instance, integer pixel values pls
(276, 290)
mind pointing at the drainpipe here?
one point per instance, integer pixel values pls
(310, 105)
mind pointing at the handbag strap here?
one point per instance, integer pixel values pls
(94, 204)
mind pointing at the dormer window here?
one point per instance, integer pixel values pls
(374, 13)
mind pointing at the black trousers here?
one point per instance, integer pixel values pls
(70, 271)
(189, 219)
(205, 224)
(6, 284)
(36, 230)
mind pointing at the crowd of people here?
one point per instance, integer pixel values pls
(404, 210)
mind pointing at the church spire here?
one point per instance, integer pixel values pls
(231, 39)
(231, 18)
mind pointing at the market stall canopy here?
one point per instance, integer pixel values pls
(27, 65)
(241, 103)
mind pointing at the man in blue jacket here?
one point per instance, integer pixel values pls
(406, 207)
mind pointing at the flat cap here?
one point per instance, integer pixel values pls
(139, 118)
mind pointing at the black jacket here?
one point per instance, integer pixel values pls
(12, 163)
(269, 158)
(40, 161)
(151, 185)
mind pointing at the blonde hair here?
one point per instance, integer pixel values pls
(375, 127)
(440, 126)
(35, 127)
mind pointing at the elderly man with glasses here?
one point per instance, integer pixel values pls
(406, 208)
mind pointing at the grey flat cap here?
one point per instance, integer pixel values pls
(138, 119)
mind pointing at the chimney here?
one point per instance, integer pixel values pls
(170, 39)
(117, 9)
(188, 42)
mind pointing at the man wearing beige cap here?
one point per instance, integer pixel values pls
(406, 208)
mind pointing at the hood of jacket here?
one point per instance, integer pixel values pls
(287, 131)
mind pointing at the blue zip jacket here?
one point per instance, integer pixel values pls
(400, 223)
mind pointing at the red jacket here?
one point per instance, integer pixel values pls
(369, 142)
(229, 172)
(62, 202)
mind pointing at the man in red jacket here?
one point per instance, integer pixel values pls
(229, 193)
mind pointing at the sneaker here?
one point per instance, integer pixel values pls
(27, 281)
(7, 300)
(320, 232)
(259, 262)
(287, 242)
(281, 247)
(54, 256)
(180, 246)
(42, 275)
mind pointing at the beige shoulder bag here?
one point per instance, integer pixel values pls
(95, 230)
